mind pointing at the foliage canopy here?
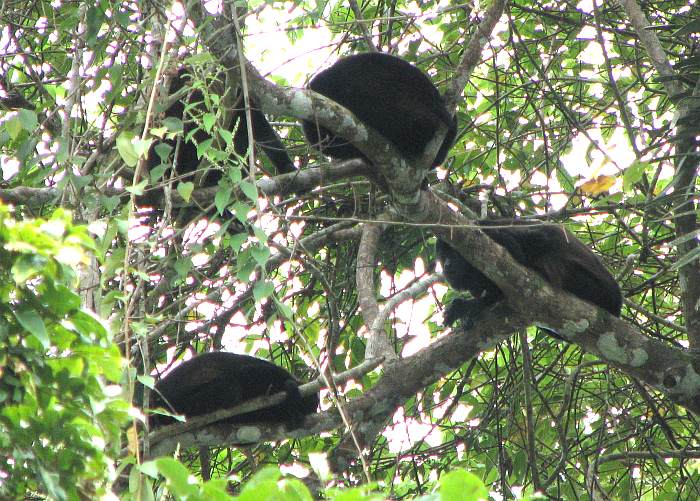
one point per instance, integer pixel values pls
(582, 113)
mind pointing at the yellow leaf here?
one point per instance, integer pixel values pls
(598, 185)
(132, 437)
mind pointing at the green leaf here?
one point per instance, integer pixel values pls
(286, 311)
(32, 322)
(149, 468)
(262, 290)
(215, 490)
(173, 124)
(126, 149)
(93, 19)
(249, 190)
(116, 73)
(159, 132)
(28, 119)
(227, 136)
(266, 474)
(141, 146)
(235, 173)
(462, 485)
(259, 234)
(60, 298)
(177, 477)
(63, 149)
(27, 266)
(137, 189)
(246, 267)
(208, 120)
(261, 254)
(236, 241)
(240, 210)
(633, 174)
(183, 266)
(185, 190)
(147, 381)
(13, 126)
(203, 147)
(156, 173)
(81, 181)
(52, 483)
(222, 198)
(295, 490)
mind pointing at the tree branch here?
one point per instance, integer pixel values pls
(669, 370)
(651, 43)
(472, 54)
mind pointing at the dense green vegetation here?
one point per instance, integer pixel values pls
(578, 113)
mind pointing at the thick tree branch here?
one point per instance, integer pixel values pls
(472, 54)
(217, 34)
(670, 370)
(653, 47)
(378, 344)
(284, 184)
(403, 176)
(412, 292)
(686, 215)
(400, 381)
(194, 430)
(686, 163)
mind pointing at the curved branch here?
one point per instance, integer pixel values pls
(378, 344)
(473, 51)
(412, 292)
(403, 177)
(284, 184)
(166, 439)
(651, 43)
(669, 370)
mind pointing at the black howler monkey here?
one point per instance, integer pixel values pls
(219, 380)
(552, 251)
(187, 161)
(388, 94)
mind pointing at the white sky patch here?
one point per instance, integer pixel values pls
(539, 178)
(296, 229)
(405, 432)
(319, 463)
(268, 220)
(213, 6)
(296, 469)
(585, 6)
(588, 162)
(236, 332)
(503, 59)
(200, 259)
(461, 413)
(588, 420)
(10, 166)
(267, 44)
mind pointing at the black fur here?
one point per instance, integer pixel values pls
(220, 380)
(187, 161)
(388, 94)
(553, 252)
